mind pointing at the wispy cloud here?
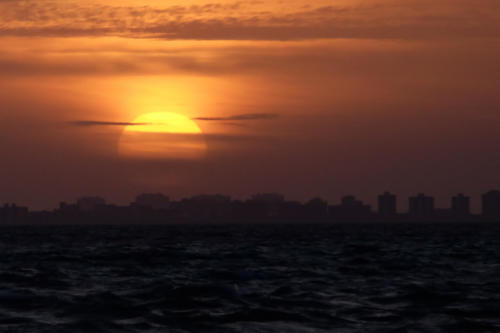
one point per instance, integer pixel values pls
(181, 137)
(90, 123)
(242, 117)
(380, 19)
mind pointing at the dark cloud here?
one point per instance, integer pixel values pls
(211, 137)
(241, 117)
(90, 123)
(214, 137)
(249, 116)
(379, 20)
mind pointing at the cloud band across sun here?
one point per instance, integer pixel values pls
(241, 117)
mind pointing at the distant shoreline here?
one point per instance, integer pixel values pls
(270, 222)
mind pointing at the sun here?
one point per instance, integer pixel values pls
(162, 135)
(163, 122)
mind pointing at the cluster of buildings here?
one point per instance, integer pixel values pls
(423, 207)
(158, 208)
(13, 213)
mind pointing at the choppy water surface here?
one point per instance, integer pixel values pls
(274, 278)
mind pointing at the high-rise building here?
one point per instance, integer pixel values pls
(491, 204)
(421, 206)
(88, 204)
(387, 204)
(460, 205)
(153, 200)
(350, 207)
(12, 213)
(316, 208)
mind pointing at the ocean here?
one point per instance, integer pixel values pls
(251, 278)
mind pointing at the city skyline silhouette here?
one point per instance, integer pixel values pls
(267, 207)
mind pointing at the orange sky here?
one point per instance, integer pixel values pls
(345, 96)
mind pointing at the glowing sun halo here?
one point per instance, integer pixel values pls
(162, 135)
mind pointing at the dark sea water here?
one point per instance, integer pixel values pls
(260, 278)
